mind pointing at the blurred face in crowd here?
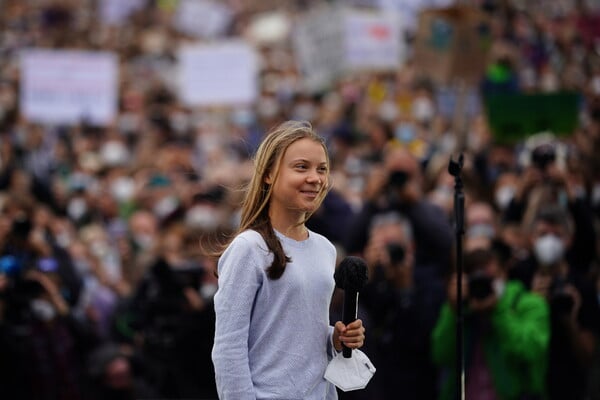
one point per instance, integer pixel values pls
(491, 268)
(550, 242)
(505, 189)
(20, 182)
(480, 224)
(393, 233)
(143, 228)
(391, 247)
(399, 160)
(118, 373)
(378, 133)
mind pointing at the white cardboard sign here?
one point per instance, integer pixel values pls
(68, 87)
(372, 41)
(222, 73)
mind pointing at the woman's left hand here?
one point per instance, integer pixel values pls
(352, 335)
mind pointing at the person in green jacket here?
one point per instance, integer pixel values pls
(506, 334)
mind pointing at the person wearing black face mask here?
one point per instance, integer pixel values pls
(575, 313)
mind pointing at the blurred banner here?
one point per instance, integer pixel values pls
(329, 41)
(68, 87)
(410, 9)
(255, 6)
(318, 46)
(116, 12)
(202, 19)
(268, 28)
(452, 44)
(222, 73)
(407, 10)
(514, 117)
(372, 40)
(588, 26)
(553, 9)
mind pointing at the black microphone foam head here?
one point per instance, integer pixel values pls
(351, 274)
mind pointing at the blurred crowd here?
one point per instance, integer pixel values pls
(105, 291)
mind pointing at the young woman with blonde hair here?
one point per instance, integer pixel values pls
(273, 339)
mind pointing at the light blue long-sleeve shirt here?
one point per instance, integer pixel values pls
(273, 338)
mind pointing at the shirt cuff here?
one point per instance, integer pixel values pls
(331, 348)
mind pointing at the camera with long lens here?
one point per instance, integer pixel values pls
(164, 306)
(543, 155)
(396, 182)
(561, 301)
(174, 279)
(189, 275)
(397, 179)
(396, 253)
(480, 286)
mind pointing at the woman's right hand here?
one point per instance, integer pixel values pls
(351, 335)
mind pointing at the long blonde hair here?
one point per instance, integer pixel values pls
(255, 205)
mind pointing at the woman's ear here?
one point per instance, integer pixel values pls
(268, 179)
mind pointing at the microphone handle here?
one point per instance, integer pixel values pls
(349, 314)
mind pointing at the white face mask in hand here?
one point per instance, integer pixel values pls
(350, 373)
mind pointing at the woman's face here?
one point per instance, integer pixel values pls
(302, 176)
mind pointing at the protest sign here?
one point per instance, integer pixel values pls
(257, 6)
(410, 9)
(372, 41)
(202, 18)
(452, 44)
(318, 44)
(513, 117)
(68, 87)
(268, 28)
(329, 41)
(588, 26)
(116, 12)
(222, 73)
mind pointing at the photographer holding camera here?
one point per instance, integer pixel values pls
(551, 174)
(397, 185)
(43, 343)
(507, 331)
(402, 312)
(172, 317)
(574, 310)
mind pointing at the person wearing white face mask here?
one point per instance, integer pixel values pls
(550, 235)
(49, 304)
(574, 310)
(547, 181)
(481, 225)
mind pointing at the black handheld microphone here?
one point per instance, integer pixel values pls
(350, 276)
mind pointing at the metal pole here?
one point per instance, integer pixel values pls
(455, 168)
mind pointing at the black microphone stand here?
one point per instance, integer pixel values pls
(455, 168)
